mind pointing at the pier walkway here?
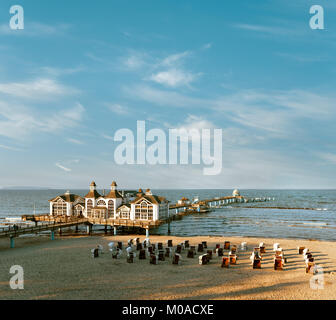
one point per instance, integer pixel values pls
(51, 225)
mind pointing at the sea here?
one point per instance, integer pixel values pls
(292, 214)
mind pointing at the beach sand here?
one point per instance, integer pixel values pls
(64, 269)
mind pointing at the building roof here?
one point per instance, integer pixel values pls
(124, 205)
(151, 198)
(93, 194)
(69, 197)
(114, 194)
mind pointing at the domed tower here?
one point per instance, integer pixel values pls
(90, 199)
(236, 193)
(114, 200)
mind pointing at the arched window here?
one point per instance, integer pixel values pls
(89, 206)
(144, 211)
(110, 209)
(101, 203)
(78, 210)
(59, 208)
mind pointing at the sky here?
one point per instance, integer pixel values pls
(79, 71)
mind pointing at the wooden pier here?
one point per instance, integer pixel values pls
(52, 225)
(46, 222)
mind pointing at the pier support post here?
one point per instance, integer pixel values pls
(76, 228)
(89, 229)
(147, 233)
(52, 235)
(60, 231)
(105, 229)
(12, 243)
(115, 231)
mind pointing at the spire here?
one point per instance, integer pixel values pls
(92, 186)
(114, 186)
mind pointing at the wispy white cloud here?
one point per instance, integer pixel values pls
(38, 89)
(174, 59)
(19, 122)
(63, 168)
(174, 77)
(117, 108)
(75, 141)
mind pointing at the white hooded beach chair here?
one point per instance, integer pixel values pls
(111, 246)
(100, 248)
(243, 246)
(276, 246)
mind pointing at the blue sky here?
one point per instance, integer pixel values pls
(81, 70)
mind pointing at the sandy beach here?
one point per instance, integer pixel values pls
(64, 269)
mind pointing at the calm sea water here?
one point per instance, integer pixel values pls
(236, 220)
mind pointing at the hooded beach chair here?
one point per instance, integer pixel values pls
(186, 244)
(219, 252)
(168, 252)
(262, 247)
(139, 246)
(191, 253)
(255, 255)
(233, 258)
(170, 243)
(301, 249)
(225, 262)
(178, 249)
(177, 259)
(200, 247)
(243, 246)
(233, 250)
(153, 259)
(256, 263)
(100, 248)
(130, 257)
(203, 259)
(227, 245)
(161, 255)
(205, 245)
(276, 246)
(209, 253)
(310, 265)
(120, 245)
(142, 254)
(216, 247)
(95, 253)
(160, 246)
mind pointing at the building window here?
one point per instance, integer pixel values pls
(89, 206)
(101, 203)
(110, 209)
(124, 214)
(59, 208)
(78, 211)
(144, 211)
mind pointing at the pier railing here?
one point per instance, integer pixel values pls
(17, 230)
